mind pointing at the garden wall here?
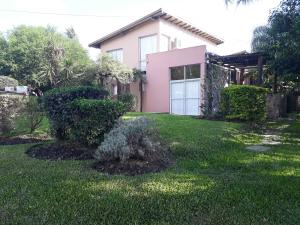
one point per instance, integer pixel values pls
(276, 106)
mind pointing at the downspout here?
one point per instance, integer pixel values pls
(141, 95)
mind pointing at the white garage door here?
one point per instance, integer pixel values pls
(185, 93)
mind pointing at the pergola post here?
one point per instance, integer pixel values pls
(260, 70)
(242, 71)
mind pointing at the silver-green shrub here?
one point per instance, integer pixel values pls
(128, 139)
(11, 105)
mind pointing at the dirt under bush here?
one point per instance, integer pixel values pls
(134, 167)
(22, 139)
(60, 151)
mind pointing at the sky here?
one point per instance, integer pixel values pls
(232, 24)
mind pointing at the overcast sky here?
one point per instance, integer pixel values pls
(233, 24)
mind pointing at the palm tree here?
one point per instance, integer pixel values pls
(238, 1)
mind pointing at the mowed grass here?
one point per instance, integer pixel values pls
(214, 181)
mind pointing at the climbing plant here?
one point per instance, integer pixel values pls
(215, 80)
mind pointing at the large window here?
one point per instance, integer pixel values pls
(116, 54)
(185, 72)
(147, 45)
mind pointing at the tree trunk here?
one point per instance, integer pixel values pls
(275, 85)
(118, 87)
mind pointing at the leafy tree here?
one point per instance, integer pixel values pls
(70, 32)
(4, 59)
(280, 40)
(43, 57)
(105, 69)
(238, 1)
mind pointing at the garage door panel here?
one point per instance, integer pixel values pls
(185, 97)
(177, 90)
(178, 107)
(192, 106)
(192, 89)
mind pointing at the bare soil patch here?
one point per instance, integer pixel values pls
(60, 151)
(134, 167)
(23, 139)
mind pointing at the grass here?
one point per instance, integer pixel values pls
(214, 181)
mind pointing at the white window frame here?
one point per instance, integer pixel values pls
(156, 50)
(116, 50)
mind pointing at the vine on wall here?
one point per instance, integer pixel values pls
(215, 80)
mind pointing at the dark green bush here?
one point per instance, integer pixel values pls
(57, 105)
(93, 118)
(129, 101)
(244, 102)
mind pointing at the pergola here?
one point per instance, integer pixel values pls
(241, 61)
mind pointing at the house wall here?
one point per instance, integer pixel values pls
(186, 38)
(129, 42)
(156, 97)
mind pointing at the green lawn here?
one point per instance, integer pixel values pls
(214, 181)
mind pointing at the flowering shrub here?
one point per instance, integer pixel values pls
(129, 139)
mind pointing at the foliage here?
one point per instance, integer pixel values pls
(215, 80)
(31, 52)
(212, 172)
(10, 107)
(5, 67)
(280, 41)
(34, 113)
(6, 81)
(128, 139)
(129, 101)
(244, 102)
(91, 119)
(238, 2)
(56, 103)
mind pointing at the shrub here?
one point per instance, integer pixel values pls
(10, 106)
(34, 113)
(129, 100)
(57, 105)
(129, 139)
(244, 102)
(91, 119)
(7, 82)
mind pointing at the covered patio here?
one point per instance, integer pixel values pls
(239, 64)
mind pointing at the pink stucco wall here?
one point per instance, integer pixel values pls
(157, 90)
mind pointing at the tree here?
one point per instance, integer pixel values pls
(4, 59)
(280, 40)
(70, 32)
(238, 1)
(36, 56)
(110, 68)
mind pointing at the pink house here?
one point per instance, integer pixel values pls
(173, 55)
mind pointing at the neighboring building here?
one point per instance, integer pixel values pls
(164, 47)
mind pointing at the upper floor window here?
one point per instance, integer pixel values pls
(147, 45)
(164, 43)
(116, 54)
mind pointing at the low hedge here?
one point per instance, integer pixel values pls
(93, 118)
(57, 105)
(129, 100)
(244, 102)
